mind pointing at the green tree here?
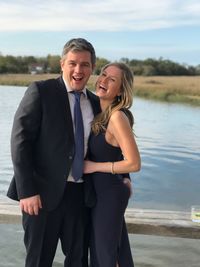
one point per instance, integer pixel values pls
(125, 60)
(53, 64)
(100, 62)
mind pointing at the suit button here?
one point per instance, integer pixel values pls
(70, 157)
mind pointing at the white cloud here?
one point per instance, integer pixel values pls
(105, 15)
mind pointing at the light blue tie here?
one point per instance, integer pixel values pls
(77, 165)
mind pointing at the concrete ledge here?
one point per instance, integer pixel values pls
(139, 221)
(10, 213)
(162, 222)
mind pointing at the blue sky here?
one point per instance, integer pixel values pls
(136, 29)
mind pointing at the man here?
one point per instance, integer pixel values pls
(43, 150)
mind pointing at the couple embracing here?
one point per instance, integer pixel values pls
(72, 151)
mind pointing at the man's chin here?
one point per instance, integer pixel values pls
(78, 87)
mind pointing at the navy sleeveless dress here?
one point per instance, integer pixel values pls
(109, 241)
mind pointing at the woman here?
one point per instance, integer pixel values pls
(112, 152)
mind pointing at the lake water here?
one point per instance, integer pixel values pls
(168, 137)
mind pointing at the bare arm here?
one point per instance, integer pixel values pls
(122, 134)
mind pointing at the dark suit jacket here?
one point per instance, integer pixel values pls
(42, 142)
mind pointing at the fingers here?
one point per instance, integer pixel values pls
(128, 183)
(31, 205)
(40, 203)
(35, 210)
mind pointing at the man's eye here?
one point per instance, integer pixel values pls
(86, 65)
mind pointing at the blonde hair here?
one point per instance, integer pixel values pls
(122, 102)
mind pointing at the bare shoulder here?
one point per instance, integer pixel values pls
(119, 122)
(118, 116)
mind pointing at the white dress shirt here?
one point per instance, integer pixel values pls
(88, 116)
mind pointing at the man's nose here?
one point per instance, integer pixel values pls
(78, 68)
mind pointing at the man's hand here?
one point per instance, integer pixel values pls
(128, 183)
(31, 205)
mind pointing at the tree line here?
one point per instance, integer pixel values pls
(51, 64)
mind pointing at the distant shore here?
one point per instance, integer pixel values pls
(177, 89)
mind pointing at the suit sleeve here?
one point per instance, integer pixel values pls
(23, 136)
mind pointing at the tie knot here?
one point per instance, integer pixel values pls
(77, 94)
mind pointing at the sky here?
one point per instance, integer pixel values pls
(133, 29)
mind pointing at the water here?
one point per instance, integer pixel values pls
(168, 140)
(9, 100)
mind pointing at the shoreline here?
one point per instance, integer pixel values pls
(139, 221)
(172, 89)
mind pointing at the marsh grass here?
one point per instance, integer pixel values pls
(183, 89)
(23, 79)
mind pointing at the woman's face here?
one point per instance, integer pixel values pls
(109, 83)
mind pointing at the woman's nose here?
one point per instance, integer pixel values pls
(104, 79)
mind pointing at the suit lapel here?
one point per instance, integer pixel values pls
(65, 106)
(61, 91)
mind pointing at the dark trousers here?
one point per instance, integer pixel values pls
(124, 251)
(66, 223)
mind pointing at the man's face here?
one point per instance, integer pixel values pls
(77, 68)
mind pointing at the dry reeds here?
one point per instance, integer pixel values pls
(185, 89)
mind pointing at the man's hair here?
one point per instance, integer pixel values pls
(79, 44)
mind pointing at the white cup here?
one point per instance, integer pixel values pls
(195, 213)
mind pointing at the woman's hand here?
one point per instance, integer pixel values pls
(127, 182)
(89, 166)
